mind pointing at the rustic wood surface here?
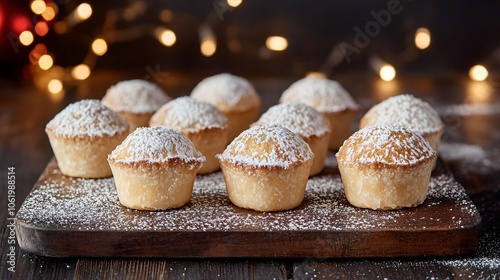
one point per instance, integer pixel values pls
(324, 225)
(474, 132)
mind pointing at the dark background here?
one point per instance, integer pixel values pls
(464, 33)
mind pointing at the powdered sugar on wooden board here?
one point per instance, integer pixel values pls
(87, 118)
(467, 109)
(471, 158)
(89, 204)
(297, 117)
(324, 95)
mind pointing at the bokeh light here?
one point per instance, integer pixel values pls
(55, 86)
(99, 46)
(41, 28)
(422, 38)
(45, 62)
(208, 47)
(26, 37)
(83, 11)
(276, 43)
(167, 37)
(80, 72)
(387, 72)
(478, 73)
(50, 12)
(234, 3)
(38, 7)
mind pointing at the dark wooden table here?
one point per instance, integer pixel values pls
(471, 149)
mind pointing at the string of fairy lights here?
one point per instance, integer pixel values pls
(53, 78)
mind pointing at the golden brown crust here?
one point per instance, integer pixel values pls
(385, 167)
(84, 156)
(266, 190)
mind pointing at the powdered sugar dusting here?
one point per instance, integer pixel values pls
(407, 111)
(89, 204)
(298, 117)
(189, 115)
(267, 145)
(391, 145)
(324, 95)
(87, 118)
(226, 91)
(135, 96)
(155, 144)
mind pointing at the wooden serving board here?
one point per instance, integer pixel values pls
(66, 216)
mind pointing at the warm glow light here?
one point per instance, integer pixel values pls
(83, 11)
(479, 93)
(80, 72)
(20, 23)
(387, 72)
(478, 73)
(26, 37)
(166, 15)
(276, 43)
(38, 7)
(41, 28)
(49, 13)
(167, 37)
(60, 27)
(234, 3)
(316, 74)
(55, 86)
(45, 62)
(208, 47)
(99, 46)
(422, 38)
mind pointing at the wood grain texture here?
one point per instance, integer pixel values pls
(24, 111)
(48, 224)
(395, 269)
(179, 269)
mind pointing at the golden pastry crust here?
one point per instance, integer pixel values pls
(329, 98)
(308, 123)
(135, 100)
(199, 121)
(155, 169)
(385, 167)
(234, 96)
(84, 157)
(266, 168)
(82, 135)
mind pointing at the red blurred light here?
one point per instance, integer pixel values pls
(41, 28)
(20, 23)
(1, 19)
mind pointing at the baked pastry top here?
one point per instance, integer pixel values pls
(135, 96)
(407, 111)
(229, 93)
(267, 146)
(87, 118)
(189, 115)
(325, 95)
(157, 145)
(297, 117)
(385, 146)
